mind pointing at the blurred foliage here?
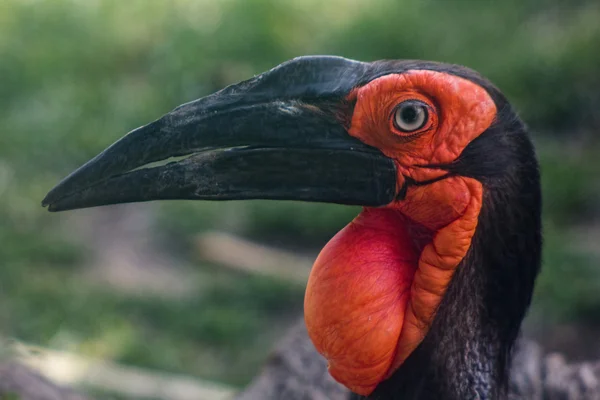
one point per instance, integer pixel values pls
(75, 75)
(568, 288)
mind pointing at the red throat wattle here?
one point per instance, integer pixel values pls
(359, 289)
(376, 286)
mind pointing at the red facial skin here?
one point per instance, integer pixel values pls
(375, 287)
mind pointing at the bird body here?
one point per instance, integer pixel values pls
(422, 295)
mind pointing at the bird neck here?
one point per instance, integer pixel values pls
(462, 357)
(466, 353)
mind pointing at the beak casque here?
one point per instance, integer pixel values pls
(275, 136)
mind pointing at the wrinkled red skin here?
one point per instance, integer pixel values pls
(359, 289)
(375, 287)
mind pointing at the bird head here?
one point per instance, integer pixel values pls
(422, 146)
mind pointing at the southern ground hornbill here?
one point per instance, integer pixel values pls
(422, 295)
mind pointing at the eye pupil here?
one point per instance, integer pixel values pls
(410, 116)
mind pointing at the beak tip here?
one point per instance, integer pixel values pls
(45, 202)
(53, 207)
(48, 199)
(49, 206)
(51, 200)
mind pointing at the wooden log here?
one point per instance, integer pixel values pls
(243, 255)
(21, 383)
(40, 374)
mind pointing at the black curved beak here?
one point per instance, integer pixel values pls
(279, 135)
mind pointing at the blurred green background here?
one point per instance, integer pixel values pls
(127, 283)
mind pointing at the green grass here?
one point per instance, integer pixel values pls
(10, 396)
(221, 333)
(570, 182)
(568, 286)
